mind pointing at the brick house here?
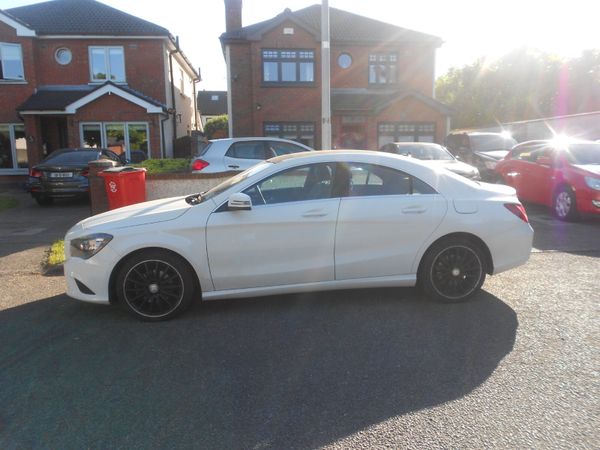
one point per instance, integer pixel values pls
(382, 79)
(77, 73)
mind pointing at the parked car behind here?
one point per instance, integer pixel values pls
(64, 173)
(562, 174)
(434, 154)
(237, 154)
(296, 223)
(482, 150)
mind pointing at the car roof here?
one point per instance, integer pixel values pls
(412, 144)
(255, 138)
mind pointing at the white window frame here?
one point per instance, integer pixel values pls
(4, 80)
(13, 148)
(106, 49)
(103, 138)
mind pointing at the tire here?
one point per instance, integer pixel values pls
(452, 270)
(155, 285)
(43, 200)
(564, 204)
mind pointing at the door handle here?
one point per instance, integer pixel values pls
(414, 209)
(233, 166)
(315, 213)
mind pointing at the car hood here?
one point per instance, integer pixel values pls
(592, 168)
(458, 167)
(493, 154)
(139, 214)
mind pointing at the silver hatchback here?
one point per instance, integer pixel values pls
(237, 154)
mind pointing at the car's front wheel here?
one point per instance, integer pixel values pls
(452, 270)
(155, 285)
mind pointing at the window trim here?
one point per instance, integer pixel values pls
(106, 49)
(13, 147)
(103, 137)
(387, 64)
(12, 80)
(298, 132)
(397, 133)
(279, 60)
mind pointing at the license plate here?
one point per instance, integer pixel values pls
(61, 174)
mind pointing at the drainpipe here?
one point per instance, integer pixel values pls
(171, 53)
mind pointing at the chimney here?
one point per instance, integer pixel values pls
(233, 15)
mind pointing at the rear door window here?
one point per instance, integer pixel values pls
(247, 150)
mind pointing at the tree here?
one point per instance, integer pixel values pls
(524, 84)
(217, 128)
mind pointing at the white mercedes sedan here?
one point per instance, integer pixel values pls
(296, 223)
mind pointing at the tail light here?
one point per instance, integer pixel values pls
(199, 164)
(517, 210)
(33, 172)
(85, 172)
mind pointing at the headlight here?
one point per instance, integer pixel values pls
(593, 183)
(490, 164)
(87, 246)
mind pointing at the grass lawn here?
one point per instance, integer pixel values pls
(7, 202)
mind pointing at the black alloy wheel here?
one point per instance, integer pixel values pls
(452, 271)
(155, 285)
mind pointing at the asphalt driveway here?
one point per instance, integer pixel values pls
(516, 368)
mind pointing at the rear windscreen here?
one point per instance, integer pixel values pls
(72, 158)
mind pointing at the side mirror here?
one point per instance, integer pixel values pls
(544, 161)
(239, 202)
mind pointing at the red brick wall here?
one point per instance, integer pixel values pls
(13, 94)
(144, 69)
(415, 66)
(253, 104)
(112, 108)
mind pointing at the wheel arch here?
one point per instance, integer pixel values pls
(476, 240)
(112, 295)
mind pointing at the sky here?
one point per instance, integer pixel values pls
(469, 29)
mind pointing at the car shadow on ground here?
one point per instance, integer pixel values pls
(292, 371)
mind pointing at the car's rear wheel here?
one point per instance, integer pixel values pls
(43, 200)
(155, 285)
(565, 204)
(452, 270)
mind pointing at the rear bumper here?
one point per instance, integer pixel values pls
(69, 189)
(512, 248)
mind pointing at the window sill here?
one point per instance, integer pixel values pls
(14, 171)
(99, 83)
(269, 85)
(13, 82)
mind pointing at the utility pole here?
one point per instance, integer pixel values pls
(325, 78)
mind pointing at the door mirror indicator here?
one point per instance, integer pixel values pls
(239, 202)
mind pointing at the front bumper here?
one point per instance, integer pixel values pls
(93, 274)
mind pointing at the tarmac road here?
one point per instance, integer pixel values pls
(517, 367)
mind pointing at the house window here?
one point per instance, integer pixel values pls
(405, 132)
(107, 63)
(129, 138)
(288, 66)
(11, 62)
(303, 132)
(382, 68)
(13, 147)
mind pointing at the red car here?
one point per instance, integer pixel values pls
(562, 174)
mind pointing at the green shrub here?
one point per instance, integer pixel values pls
(56, 254)
(217, 128)
(153, 166)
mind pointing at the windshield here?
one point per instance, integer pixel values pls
(489, 142)
(72, 157)
(198, 198)
(584, 154)
(424, 151)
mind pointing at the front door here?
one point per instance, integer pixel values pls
(286, 238)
